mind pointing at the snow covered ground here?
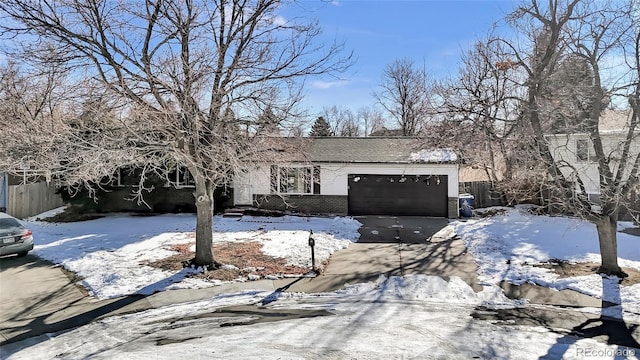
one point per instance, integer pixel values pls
(107, 252)
(507, 246)
(416, 316)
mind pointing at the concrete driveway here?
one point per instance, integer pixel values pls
(398, 246)
(29, 288)
(381, 229)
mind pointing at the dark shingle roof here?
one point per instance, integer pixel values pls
(361, 150)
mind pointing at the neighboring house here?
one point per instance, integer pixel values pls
(25, 193)
(577, 152)
(355, 176)
(473, 173)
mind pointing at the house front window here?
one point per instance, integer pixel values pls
(295, 179)
(125, 177)
(181, 178)
(584, 150)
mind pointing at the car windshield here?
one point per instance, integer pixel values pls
(8, 223)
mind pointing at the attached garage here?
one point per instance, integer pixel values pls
(417, 195)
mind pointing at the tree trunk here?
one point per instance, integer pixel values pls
(608, 239)
(204, 224)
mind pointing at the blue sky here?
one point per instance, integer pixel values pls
(431, 32)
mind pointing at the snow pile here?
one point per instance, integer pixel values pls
(434, 156)
(506, 247)
(108, 252)
(47, 214)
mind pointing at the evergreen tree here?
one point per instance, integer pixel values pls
(268, 123)
(321, 128)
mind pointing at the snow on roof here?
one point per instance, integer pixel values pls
(434, 156)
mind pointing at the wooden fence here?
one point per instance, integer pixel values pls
(484, 193)
(31, 199)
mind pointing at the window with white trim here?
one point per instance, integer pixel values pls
(584, 150)
(295, 179)
(181, 178)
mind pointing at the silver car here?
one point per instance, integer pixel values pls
(14, 237)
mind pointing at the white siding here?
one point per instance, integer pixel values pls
(261, 180)
(563, 147)
(334, 177)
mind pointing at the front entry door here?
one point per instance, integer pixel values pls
(242, 190)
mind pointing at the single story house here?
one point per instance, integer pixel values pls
(354, 176)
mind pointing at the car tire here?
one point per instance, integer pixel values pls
(23, 253)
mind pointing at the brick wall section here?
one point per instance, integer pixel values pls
(306, 204)
(323, 204)
(453, 207)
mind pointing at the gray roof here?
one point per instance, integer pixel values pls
(611, 122)
(614, 120)
(363, 150)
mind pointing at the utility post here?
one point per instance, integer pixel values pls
(312, 244)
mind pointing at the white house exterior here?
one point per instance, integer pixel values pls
(356, 176)
(577, 150)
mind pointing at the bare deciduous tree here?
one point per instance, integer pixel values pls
(344, 122)
(481, 112)
(405, 95)
(539, 102)
(370, 119)
(189, 79)
(590, 35)
(341, 120)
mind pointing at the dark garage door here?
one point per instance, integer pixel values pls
(422, 195)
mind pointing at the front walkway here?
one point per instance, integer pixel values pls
(364, 262)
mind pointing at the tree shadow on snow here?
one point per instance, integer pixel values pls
(41, 325)
(610, 326)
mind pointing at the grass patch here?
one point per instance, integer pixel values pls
(242, 260)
